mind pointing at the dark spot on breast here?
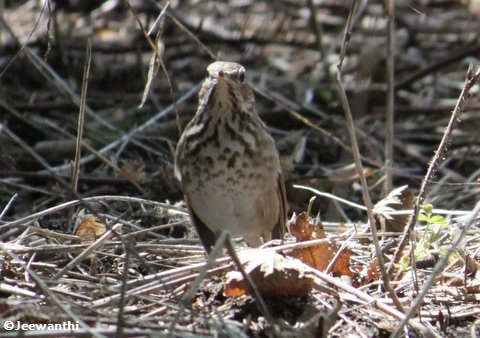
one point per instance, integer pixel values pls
(247, 149)
(219, 173)
(231, 161)
(234, 118)
(233, 98)
(209, 161)
(239, 174)
(230, 131)
(244, 117)
(214, 138)
(241, 125)
(193, 151)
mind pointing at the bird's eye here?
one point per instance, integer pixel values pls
(241, 77)
(220, 73)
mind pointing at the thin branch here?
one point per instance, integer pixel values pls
(126, 137)
(80, 125)
(389, 136)
(27, 219)
(439, 267)
(358, 163)
(438, 156)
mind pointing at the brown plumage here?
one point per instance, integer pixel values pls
(228, 164)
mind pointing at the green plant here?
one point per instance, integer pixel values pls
(429, 239)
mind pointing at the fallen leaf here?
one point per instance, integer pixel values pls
(373, 272)
(471, 290)
(273, 274)
(90, 229)
(318, 256)
(133, 170)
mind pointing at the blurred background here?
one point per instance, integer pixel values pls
(290, 50)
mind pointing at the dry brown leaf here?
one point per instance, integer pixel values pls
(320, 255)
(455, 280)
(471, 290)
(303, 230)
(4, 310)
(373, 272)
(134, 170)
(342, 265)
(198, 304)
(273, 274)
(235, 286)
(471, 266)
(90, 229)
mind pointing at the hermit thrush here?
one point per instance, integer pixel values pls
(228, 164)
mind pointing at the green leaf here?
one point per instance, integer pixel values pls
(438, 219)
(326, 95)
(428, 208)
(423, 218)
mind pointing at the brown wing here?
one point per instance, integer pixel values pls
(280, 228)
(207, 237)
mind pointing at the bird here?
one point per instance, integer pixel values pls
(228, 164)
